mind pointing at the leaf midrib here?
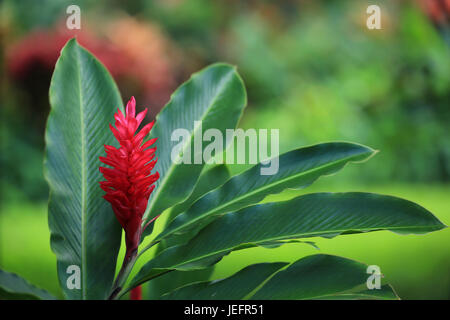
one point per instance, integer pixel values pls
(250, 194)
(83, 182)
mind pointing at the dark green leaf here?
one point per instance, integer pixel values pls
(314, 277)
(384, 293)
(13, 287)
(175, 279)
(216, 97)
(84, 230)
(209, 180)
(318, 214)
(297, 169)
(235, 287)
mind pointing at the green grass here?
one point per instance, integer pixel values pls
(417, 266)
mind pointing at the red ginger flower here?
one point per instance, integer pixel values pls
(129, 183)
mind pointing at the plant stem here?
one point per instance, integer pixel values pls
(127, 266)
(121, 293)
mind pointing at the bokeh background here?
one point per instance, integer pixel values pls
(312, 69)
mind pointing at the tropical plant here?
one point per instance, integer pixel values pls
(210, 213)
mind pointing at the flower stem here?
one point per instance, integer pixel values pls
(125, 270)
(124, 291)
(127, 265)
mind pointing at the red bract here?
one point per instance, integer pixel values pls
(136, 293)
(129, 182)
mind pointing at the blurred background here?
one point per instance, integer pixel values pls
(312, 69)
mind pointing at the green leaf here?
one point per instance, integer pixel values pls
(317, 214)
(13, 287)
(386, 292)
(209, 180)
(314, 277)
(84, 230)
(216, 97)
(271, 244)
(175, 279)
(235, 287)
(297, 169)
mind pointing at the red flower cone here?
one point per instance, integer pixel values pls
(129, 182)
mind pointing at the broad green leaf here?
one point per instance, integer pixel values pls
(384, 293)
(297, 169)
(216, 97)
(209, 180)
(271, 244)
(311, 215)
(13, 287)
(235, 287)
(84, 231)
(175, 279)
(314, 277)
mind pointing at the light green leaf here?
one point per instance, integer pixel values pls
(13, 287)
(317, 214)
(235, 287)
(216, 97)
(84, 231)
(297, 169)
